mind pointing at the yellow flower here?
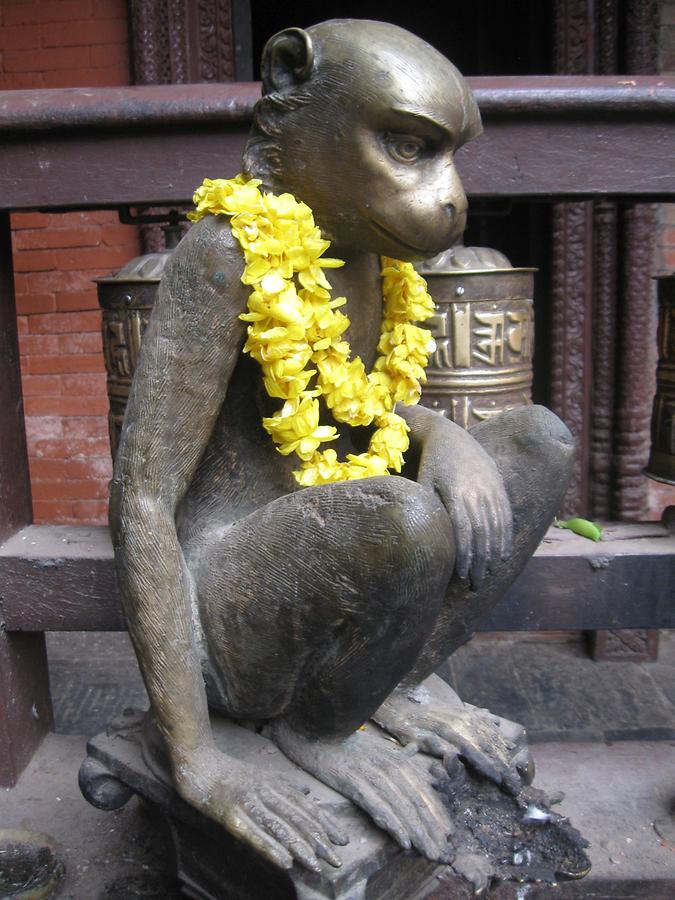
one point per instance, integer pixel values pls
(390, 440)
(293, 321)
(295, 428)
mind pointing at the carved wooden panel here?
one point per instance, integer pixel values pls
(571, 296)
(181, 41)
(608, 260)
(637, 355)
(178, 42)
(604, 341)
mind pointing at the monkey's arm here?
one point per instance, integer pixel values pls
(189, 351)
(465, 477)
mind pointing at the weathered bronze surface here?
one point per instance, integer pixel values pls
(307, 612)
(662, 459)
(484, 333)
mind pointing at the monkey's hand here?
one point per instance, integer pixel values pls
(447, 728)
(272, 816)
(465, 477)
(379, 777)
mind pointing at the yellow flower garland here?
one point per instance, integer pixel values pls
(294, 323)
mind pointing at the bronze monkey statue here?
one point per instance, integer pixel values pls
(309, 611)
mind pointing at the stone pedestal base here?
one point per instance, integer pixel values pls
(496, 836)
(210, 863)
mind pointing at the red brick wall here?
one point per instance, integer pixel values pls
(50, 44)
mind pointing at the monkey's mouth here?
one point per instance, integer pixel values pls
(423, 252)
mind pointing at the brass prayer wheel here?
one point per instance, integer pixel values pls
(483, 328)
(484, 333)
(661, 465)
(126, 298)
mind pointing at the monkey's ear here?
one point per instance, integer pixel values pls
(287, 60)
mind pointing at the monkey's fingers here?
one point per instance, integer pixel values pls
(429, 805)
(244, 828)
(420, 809)
(463, 539)
(377, 807)
(306, 824)
(283, 830)
(481, 542)
(336, 836)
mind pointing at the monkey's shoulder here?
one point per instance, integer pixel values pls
(207, 265)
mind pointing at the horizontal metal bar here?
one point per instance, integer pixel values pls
(126, 107)
(545, 138)
(151, 105)
(61, 578)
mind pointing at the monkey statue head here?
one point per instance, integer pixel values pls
(361, 121)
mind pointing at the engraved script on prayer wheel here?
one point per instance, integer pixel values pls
(484, 333)
(126, 299)
(662, 459)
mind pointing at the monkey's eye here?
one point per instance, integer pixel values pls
(405, 148)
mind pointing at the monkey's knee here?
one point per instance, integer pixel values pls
(534, 452)
(414, 532)
(528, 436)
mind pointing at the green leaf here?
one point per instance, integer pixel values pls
(583, 527)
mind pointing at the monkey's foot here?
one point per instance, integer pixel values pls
(434, 718)
(380, 778)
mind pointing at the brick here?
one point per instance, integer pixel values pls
(22, 285)
(90, 217)
(48, 282)
(111, 76)
(97, 468)
(42, 428)
(76, 300)
(33, 304)
(69, 489)
(81, 343)
(71, 362)
(66, 406)
(94, 511)
(29, 220)
(668, 236)
(87, 33)
(108, 55)
(76, 236)
(47, 468)
(111, 9)
(52, 511)
(118, 235)
(84, 385)
(65, 323)
(22, 324)
(85, 427)
(34, 260)
(38, 344)
(65, 448)
(21, 81)
(91, 258)
(46, 60)
(20, 37)
(27, 13)
(41, 385)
